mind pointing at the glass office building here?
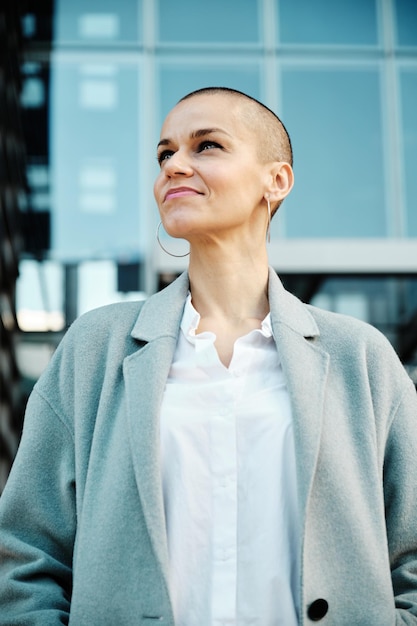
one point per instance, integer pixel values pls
(99, 77)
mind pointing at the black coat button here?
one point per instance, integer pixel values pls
(317, 609)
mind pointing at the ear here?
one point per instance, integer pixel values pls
(281, 181)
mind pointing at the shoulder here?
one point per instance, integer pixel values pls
(113, 319)
(97, 339)
(92, 351)
(358, 346)
(343, 332)
(351, 331)
(331, 323)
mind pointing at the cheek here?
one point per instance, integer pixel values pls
(218, 178)
(157, 188)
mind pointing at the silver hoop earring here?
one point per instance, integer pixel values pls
(164, 249)
(268, 230)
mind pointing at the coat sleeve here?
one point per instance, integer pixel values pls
(400, 491)
(42, 501)
(37, 523)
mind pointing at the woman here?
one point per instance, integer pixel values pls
(223, 453)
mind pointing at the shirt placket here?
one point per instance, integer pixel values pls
(224, 493)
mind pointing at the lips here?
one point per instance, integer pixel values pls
(180, 192)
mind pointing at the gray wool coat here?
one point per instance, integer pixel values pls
(82, 530)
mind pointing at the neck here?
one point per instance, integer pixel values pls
(228, 285)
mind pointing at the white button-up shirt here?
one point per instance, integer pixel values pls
(229, 482)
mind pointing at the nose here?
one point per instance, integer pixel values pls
(178, 165)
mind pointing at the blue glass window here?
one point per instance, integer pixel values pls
(199, 21)
(406, 18)
(94, 160)
(178, 80)
(99, 22)
(408, 82)
(351, 22)
(334, 120)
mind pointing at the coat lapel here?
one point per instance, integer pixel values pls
(145, 374)
(305, 366)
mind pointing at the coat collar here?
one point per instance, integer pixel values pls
(286, 309)
(162, 313)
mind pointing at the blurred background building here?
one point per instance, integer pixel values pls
(84, 87)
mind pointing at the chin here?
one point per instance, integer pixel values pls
(178, 228)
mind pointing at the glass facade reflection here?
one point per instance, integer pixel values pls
(99, 81)
(406, 23)
(97, 23)
(345, 22)
(94, 159)
(408, 85)
(335, 114)
(197, 22)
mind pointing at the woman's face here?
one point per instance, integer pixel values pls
(211, 179)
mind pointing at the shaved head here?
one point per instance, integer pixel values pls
(274, 141)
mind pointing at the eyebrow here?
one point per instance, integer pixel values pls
(195, 134)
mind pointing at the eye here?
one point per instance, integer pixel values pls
(208, 145)
(164, 156)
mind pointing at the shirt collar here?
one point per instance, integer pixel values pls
(191, 320)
